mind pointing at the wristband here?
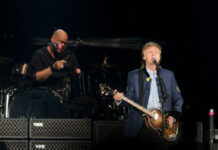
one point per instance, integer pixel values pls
(52, 68)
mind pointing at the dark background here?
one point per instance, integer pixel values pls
(187, 31)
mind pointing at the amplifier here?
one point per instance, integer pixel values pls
(107, 134)
(13, 144)
(60, 145)
(13, 128)
(60, 128)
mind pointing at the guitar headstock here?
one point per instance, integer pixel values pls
(105, 90)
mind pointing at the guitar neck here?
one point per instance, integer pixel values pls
(110, 91)
(138, 106)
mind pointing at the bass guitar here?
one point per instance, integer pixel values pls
(153, 118)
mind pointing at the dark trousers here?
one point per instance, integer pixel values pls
(148, 139)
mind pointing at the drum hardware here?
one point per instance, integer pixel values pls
(1, 104)
(22, 69)
(7, 105)
(109, 109)
(81, 85)
(62, 94)
(22, 76)
(58, 94)
(6, 98)
(65, 92)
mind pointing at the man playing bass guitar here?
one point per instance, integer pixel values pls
(144, 88)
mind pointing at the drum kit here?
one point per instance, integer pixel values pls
(20, 99)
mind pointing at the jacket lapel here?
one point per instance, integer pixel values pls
(146, 88)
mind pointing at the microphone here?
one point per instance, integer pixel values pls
(57, 46)
(154, 61)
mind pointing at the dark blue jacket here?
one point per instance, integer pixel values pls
(173, 103)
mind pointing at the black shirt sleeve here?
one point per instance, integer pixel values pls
(37, 62)
(72, 62)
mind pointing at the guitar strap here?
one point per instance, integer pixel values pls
(141, 83)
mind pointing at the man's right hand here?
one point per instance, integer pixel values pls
(59, 64)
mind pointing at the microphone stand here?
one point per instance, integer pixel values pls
(163, 96)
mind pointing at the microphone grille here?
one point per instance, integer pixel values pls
(154, 60)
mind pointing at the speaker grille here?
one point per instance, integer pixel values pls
(13, 128)
(60, 145)
(60, 128)
(13, 144)
(106, 133)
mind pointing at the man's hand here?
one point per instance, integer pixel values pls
(78, 71)
(170, 121)
(59, 64)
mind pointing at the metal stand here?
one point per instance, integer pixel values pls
(211, 129)
(163, 96)
(7, 104)
(5, 100)
(2, 103)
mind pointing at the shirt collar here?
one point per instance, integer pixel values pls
(151, 72)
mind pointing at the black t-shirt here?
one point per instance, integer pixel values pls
(42, 60)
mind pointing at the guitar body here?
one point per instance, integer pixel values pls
(169, 134)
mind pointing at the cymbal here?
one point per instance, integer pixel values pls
(5, 60)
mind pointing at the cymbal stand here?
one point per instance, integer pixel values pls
(1, 103)
(7, 104)
(9, 92)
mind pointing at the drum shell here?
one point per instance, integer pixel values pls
(37, 103)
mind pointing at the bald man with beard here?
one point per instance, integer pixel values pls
(54, 62)
(52, 66)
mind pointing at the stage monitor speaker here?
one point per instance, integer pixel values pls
(13, 145)
(60, 128)
(199, 135)
(60, 145)
(107, 134)
(191, 137)
(14, 128)
(215, 145)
